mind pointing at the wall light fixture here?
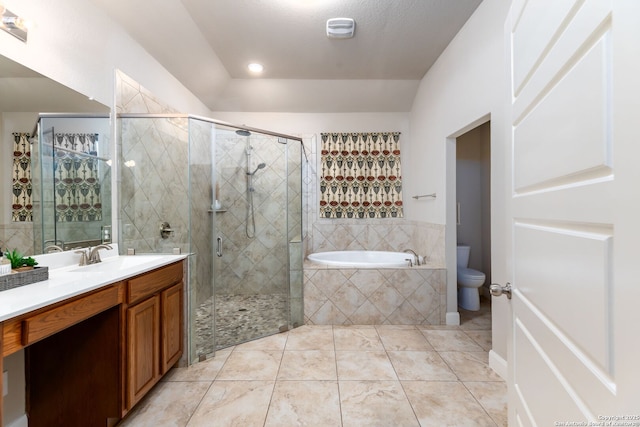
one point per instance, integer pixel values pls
(13, 24)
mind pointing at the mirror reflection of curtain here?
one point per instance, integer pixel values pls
(76, 179)
(22, 209)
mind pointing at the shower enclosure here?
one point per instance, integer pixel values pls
(71, 177)
(231, 197)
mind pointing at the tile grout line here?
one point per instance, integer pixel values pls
(479, 403)
(335, 358)
(195, 410)
(275, 380)
(398, 376)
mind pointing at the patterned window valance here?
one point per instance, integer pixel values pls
(22, 208)
(361, 175)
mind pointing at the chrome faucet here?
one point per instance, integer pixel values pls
(414, 254)
(83, 257)
(94, 255)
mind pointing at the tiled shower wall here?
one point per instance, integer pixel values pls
(156, 188)
(256, 265)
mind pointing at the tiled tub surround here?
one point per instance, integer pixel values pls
(386, 234)
(395, 296)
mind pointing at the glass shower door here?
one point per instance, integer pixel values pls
(251, 261)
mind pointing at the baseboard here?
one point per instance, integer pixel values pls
(20, 422)
(498, 364)
(452, 318)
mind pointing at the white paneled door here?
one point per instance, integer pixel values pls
(574, 210)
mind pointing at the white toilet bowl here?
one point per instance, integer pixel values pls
(469, 281)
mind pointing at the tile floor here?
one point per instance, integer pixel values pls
(351, 376)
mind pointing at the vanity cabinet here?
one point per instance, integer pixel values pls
(90, 358)
(154, 328)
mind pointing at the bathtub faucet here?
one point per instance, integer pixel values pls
(414, 254)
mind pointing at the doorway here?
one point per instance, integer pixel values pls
(473, 212)
(473, 198)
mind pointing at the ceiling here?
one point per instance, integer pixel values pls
(207, 44)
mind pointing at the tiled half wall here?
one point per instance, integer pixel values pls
(400, 296)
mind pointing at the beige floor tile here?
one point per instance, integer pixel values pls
(202, 371)
(375, 404)
(355, 338)
(477, 323)
(246, 393)
(421, 365)
(364, 365)
(272, 342)
(493, 398)
(482, 338)
(477, 320)
(443, 340)
(470, 365)
(168, 404)
(234, 404)
(445, 404)
(311, 338)
(308, 365)
(403, 339)
(393, 327)
(251, 365)
(305, 403)
(438, 327)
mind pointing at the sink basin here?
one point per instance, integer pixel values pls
(116, 263)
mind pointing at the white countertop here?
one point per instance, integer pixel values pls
(67, 279)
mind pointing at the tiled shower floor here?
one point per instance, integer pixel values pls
(239, 318)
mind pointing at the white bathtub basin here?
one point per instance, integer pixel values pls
(363, 259)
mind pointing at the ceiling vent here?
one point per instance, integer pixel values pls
(340, 28)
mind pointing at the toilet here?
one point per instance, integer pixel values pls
(469, 281)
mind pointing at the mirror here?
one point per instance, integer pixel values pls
(61, 193)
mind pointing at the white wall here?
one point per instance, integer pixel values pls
(465, 87)
(314, 123)
(75, 44)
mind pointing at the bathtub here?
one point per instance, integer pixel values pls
(372, 288)
(363, 259)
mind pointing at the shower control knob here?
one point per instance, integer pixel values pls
(497, 290)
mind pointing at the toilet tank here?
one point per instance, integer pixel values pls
(463, 256)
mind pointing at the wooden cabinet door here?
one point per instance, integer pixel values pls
(143, 347)
(172, 326)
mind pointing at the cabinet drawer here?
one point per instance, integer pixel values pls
(150, 283)
(49, 322)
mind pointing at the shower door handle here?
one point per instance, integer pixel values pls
(219, 248)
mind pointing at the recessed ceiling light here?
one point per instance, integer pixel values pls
(254, 67)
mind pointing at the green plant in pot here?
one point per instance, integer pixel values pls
(19, 262)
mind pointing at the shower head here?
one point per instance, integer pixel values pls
(243, 132)
(260, 166)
